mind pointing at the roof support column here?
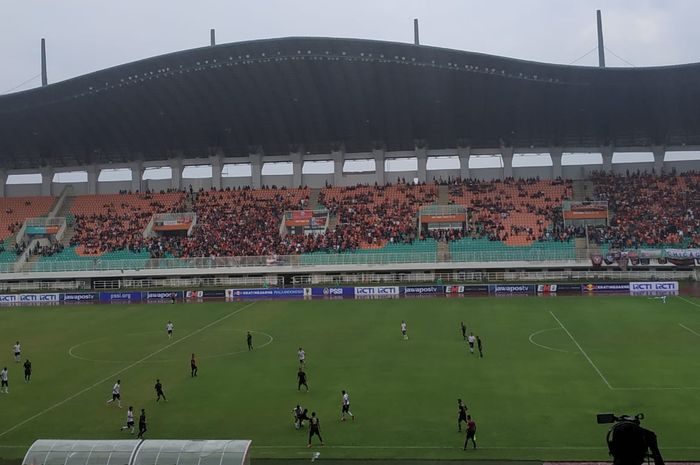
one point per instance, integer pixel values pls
(379, 157)
(556, 154)
(463, 154)
(47, 173)
(256, 169)
(659, 154)
(176, 173)
(607, 153)
(338, 157)
(216, 162)
(297, 165)
(3, 181)
(93, 172)
(422, 158)
(507, 157)
(136, 175)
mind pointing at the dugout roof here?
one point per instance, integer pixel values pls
(137, 452)
(314, 94)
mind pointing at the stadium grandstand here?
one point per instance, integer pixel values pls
(299, 165)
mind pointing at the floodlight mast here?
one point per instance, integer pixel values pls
(44, 78)
(416, 39)
(601, 45)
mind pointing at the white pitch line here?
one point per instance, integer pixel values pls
(118, 372)
(661, 388)
(607, 383)
(689, 301)
(688, 329)
(544, 346)
(340, 446)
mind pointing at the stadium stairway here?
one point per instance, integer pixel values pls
(443, 251)
(313, 199)
(582, 189)
(443, 195)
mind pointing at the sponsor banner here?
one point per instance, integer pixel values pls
(511, 288)
(79, 297)
(377, 291)
(654, 288)
(547, 288)
(194, 295)
(422, 290)
(215, 294)
(120, 296)
(162, 295)
(682, 254)
(333, 291)
(606, 287)
(28, 298)
(234, 294)
(568, 287)
(466, 289)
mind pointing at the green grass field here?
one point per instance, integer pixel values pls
(550, 365)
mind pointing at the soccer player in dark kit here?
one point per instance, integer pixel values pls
(27, 371)
(159, 391)
(142, 424)
(193, 366)
(480, 347)
(461, 414)
(249, 340)
(314, 428)
(301, 376)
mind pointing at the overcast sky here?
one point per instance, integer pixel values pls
(88, 35)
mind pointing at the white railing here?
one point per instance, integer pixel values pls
(190, 283)
(42, 286)
(490, 276)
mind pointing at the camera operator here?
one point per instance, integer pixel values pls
(629, 443)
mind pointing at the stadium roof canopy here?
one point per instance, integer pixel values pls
(316, 94)
(137, 452)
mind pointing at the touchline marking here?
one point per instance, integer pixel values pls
(340, 446)
(607, 383)
(686, 328)
(544, 346)
(118, 372)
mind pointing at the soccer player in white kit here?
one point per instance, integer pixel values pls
(17, 350)
(116, 393)
(471, 339)
(301, 355)
(345, 409)
(169, 328)
(403, 330)
(4, 383)
(129, 420)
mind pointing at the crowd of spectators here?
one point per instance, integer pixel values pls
(649, 210)
(372, 216)
(514, 211)
(116, 222)
(646, 210)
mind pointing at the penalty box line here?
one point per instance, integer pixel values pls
(583, 352)
(122, 370)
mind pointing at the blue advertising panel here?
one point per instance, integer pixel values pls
(512, 288)
(262, 293)
(332, 291)
(77, 297)
(120, 296)
(422, 290)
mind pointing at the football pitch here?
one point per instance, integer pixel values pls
(549, 365)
